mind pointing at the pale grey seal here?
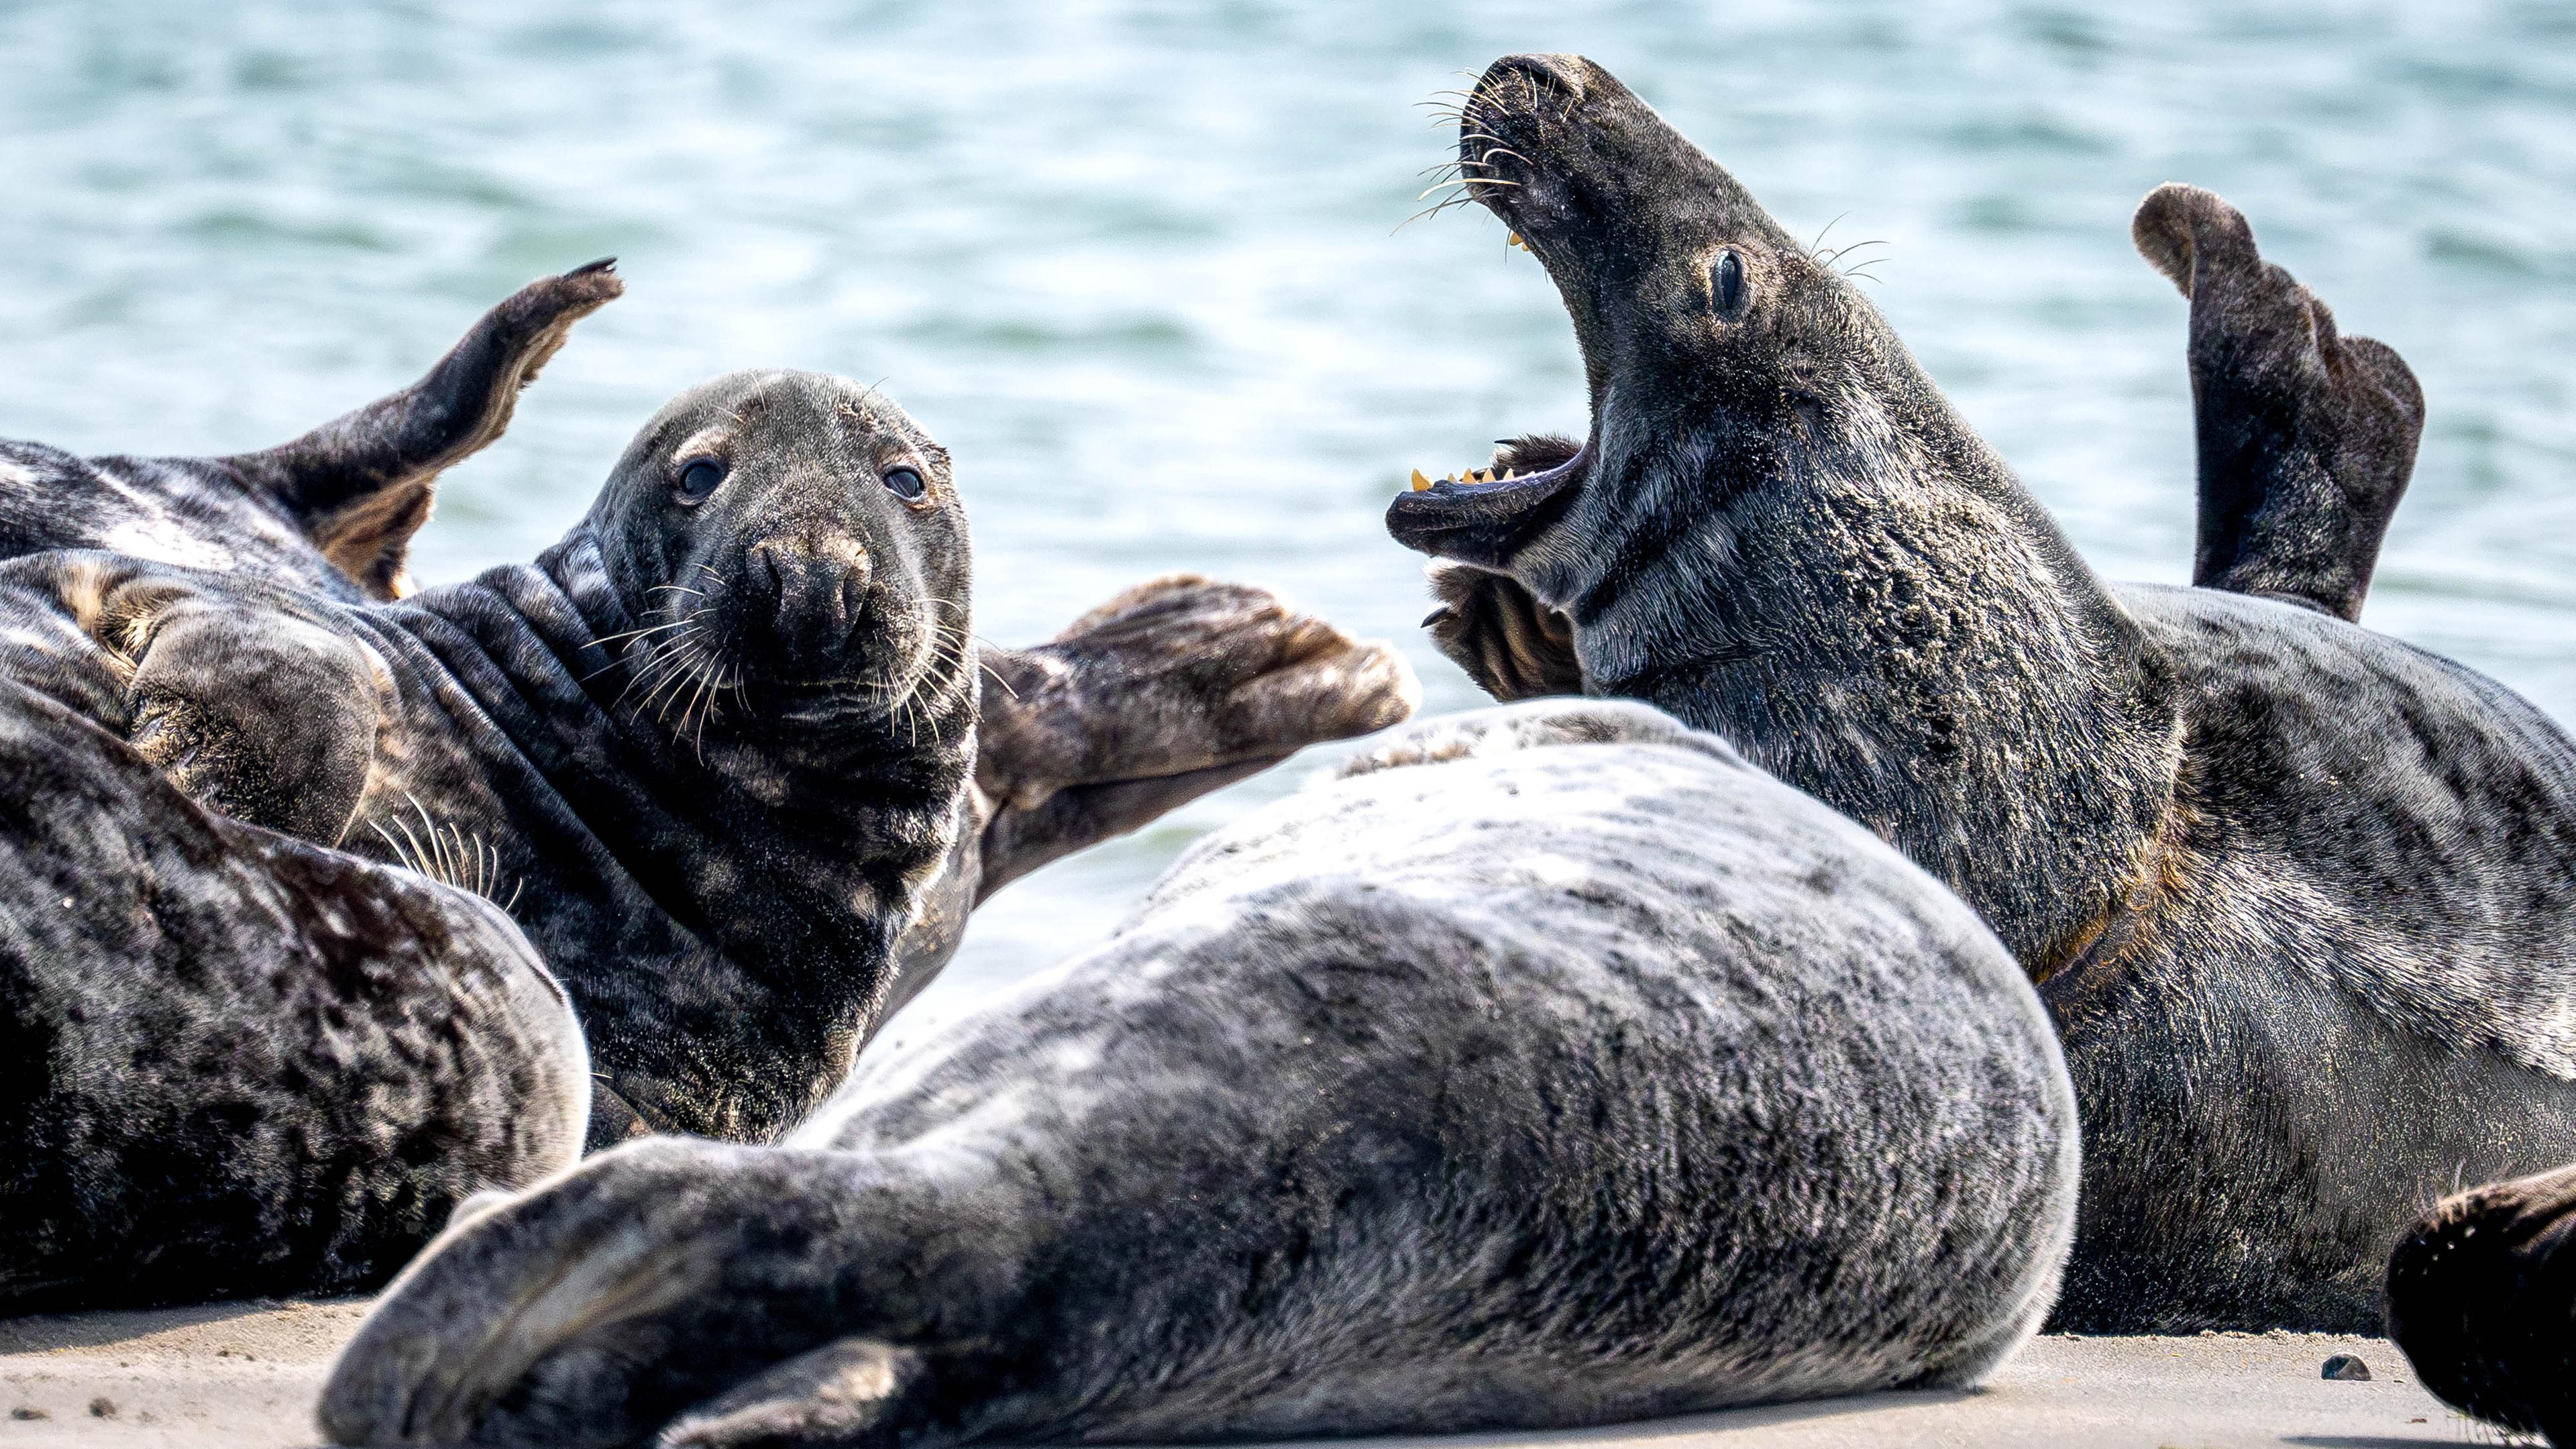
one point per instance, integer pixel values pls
(1550, 1067)
(2285, 880)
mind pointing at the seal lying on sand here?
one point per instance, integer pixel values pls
(735, 889)
(2482, 1296)
(2284, 880)
(1551, 1067)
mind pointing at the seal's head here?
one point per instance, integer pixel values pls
(1731, 370)
(1778, 529)
(791, 540)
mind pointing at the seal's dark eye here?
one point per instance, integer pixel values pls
(905, 483)
(699, 479)
(1726, 282)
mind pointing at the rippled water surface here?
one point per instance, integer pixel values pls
(1139, 266)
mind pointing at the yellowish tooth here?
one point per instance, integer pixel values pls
(1516, 241)
(1420, 482)
(1510, 473)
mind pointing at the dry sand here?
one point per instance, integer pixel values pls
(243, 1376)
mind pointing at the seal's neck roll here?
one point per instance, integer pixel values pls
(1887, 621)
(1778, 529)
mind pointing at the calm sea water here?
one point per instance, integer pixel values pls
(1140, 265)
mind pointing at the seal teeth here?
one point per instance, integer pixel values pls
(1516, 241)
(1419, 482)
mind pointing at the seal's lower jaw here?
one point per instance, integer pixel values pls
(1485, 522)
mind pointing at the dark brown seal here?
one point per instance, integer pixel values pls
(2482, 1296)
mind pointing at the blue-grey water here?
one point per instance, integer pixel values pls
(1140, 266)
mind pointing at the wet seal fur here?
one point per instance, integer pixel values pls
(2279, 876)
(716, 754)
(1549, 1067)
(2482, 1296)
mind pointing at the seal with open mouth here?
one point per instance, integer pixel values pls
(715, 753)
(1549, 1067)
(2285, 881)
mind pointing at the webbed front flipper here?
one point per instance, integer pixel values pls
(1170, 690)
(2306, 437)
(851, 1391)
(256, 714)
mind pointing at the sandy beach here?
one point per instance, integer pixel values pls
(243, 1376)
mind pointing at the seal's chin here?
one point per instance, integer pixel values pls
(1488, 515)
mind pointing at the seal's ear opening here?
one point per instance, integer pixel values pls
(361, 485)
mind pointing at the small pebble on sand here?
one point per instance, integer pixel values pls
(102, 1407)
(24, 1411)
(2345, 1366)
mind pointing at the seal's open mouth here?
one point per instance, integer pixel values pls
(1508, 126)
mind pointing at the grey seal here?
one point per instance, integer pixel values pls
(2482, 1297)
(1548, 1067)
(716, 754)
(2282, 879)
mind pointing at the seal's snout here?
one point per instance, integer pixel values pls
(813, 589)
(1559, 82)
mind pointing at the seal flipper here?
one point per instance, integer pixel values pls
(1171, 689)
(360, 485)
(1489, 624)
(2306, 437)
(848, 1392)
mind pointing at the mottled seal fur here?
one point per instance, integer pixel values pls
(713, 752)
(2482, 1296)
(1550, 1067)
(2302, 898)
(232, 1062)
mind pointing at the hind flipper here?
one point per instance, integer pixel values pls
(2306, 437)
(360, 485)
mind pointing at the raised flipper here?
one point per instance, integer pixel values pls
(1512, 645)
(2306, 437)
(336, 507)
(1168, 691)
(360, 485)
(1172, 689)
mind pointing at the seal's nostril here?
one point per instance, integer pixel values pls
(1524, 81)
